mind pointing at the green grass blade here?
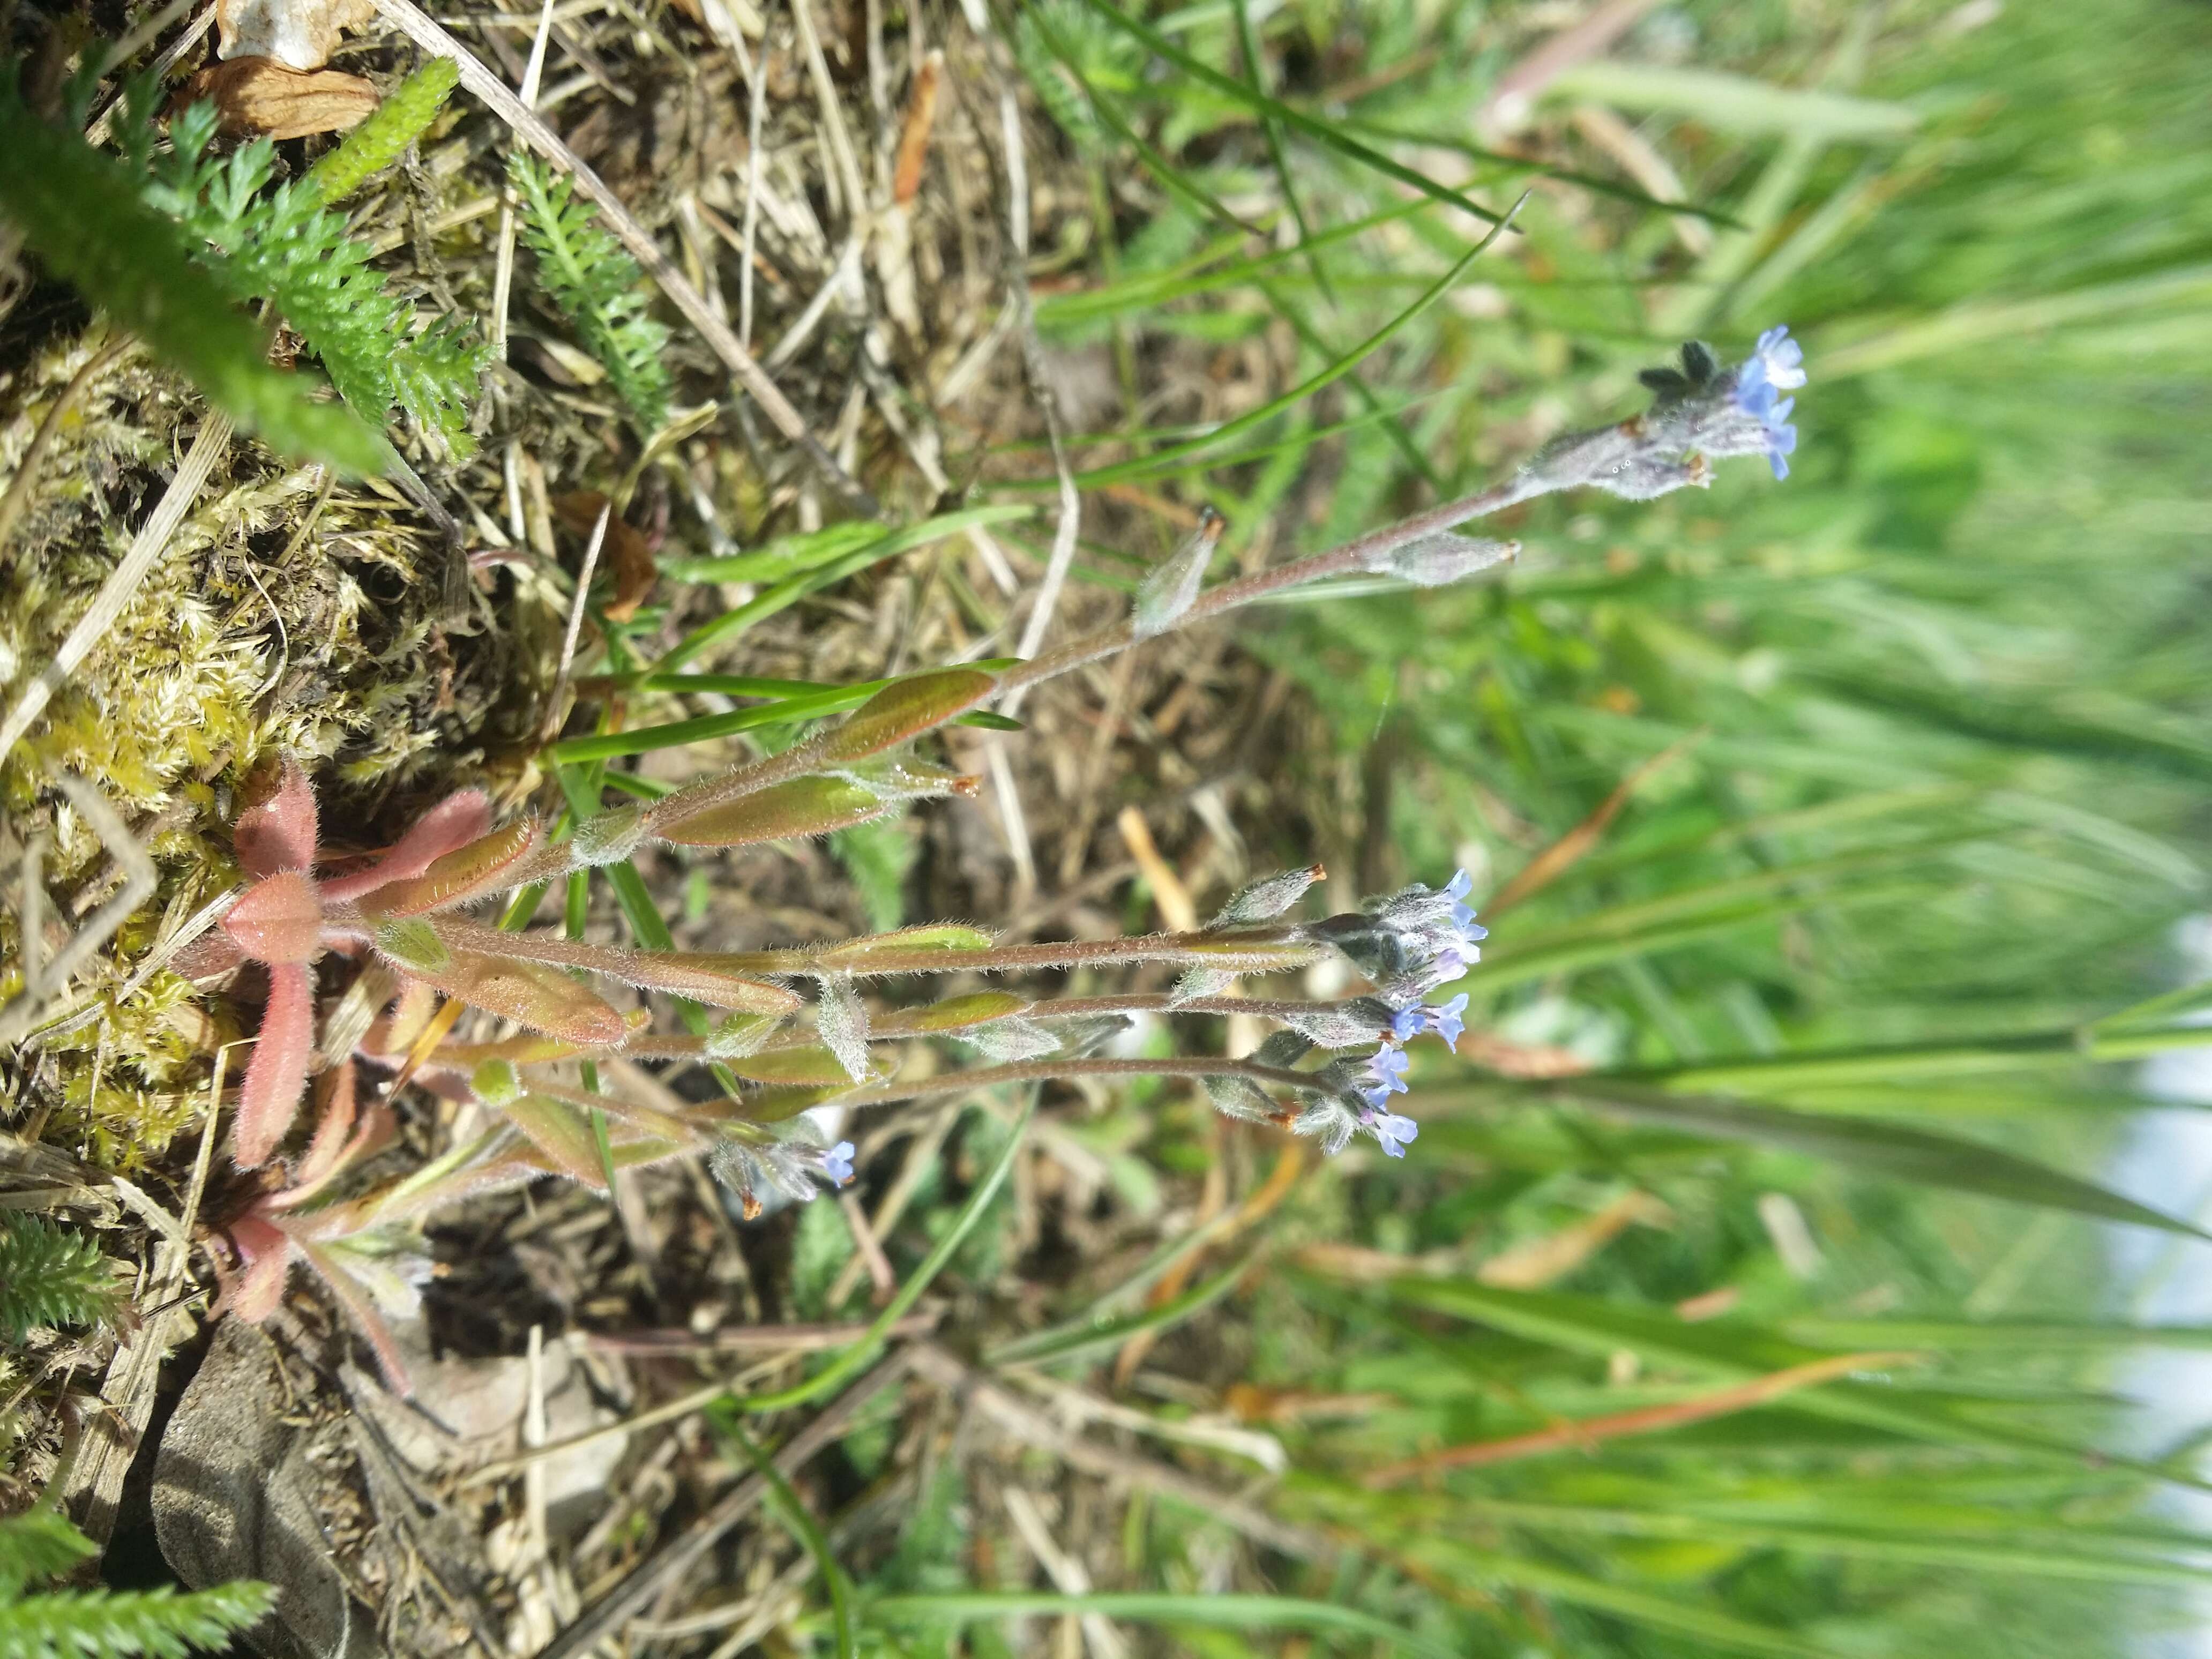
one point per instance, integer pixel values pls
(852, 1361)
(1220, 1612)
(1297, 121)
(1336, 370)
(1976, 1336)
(1078, 1337)
(797, 586)
(808, 1531)
(1735, 103)
(1897, 1151)
(1738, 1350)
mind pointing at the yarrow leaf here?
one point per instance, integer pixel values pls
(82, 213)
(285, 247)
(379, 141)
(598, 287)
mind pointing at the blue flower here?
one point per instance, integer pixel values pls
(1395, 1132)
(1407, 1023)
(837, 1163)
(1463, 913)
(1775, 366)
(1780, 357)
(1444, 1019)
(1386, 1071)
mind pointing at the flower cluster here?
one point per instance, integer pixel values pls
(1700, 413)
(1411, 942)
(786, 1161)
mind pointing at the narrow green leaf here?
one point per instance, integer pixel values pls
(1142, 465)
(797, 587)
(854, 1360)
(1298, 120)
(904, 710)
(1734, 103)
(1224, 1611)
(1897, 1151)
(1739, 1350)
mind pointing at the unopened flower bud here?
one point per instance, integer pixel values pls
(1442, 558)
(1172, 587)
(1269, 897)
(608, 837)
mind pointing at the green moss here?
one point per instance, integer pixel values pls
(256, 632)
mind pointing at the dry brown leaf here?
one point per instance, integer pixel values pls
(627, 549)
(299, 34)
(914, 133)
(256, 97)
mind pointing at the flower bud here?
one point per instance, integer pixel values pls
(1172, 587)
(608, 837)
(1442, 558)
(1269, 897)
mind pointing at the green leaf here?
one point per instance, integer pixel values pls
(858, 1358)
(283, 248)
(1273, 109)
(1140, 466)
(1222, 1610)
(598, 287)
(814, 579)
(37, 1546)
(156, 1624)
(904, 710)
(805, 806)
(80, 212)
(1737, 1350)
(50, 1277)
(1875, 1147)
(1734, 103)
(404, 115)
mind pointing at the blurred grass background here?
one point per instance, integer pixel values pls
(1892, 780)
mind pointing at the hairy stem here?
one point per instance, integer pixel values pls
(904, 1024)
(1353, 556)
(1268, 950)
(1046, 1071)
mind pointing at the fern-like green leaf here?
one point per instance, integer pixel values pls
(80, 212)
(432, 375)
(156, 1624)
(283, 246)
(37, 1546)
(598, 289)
(49, 1277)
(379, 141)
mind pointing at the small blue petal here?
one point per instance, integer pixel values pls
(1405, 1023)
(1781, 467)
(1392, 1132)
(1387, 1068)
(1460, 885)
(837, 1163)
